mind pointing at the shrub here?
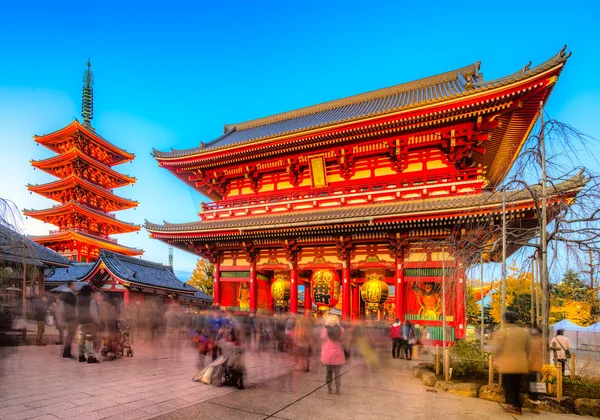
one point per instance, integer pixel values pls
(467, 360)
(581, 388)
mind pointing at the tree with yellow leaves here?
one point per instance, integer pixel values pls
(570, 299)
(517, 284)
(203, 277)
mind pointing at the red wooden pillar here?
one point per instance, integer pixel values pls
(270, 301)
(307, 300)
(253, 287)
(399, 292)
(294, 288)
(126, 298)
(460, 309)
(346, 291)
(217, 286)
(355, 303)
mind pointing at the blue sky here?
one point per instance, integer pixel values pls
(170, 74)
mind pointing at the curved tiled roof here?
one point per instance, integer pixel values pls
(82, 207)
(143, 272)
(345, 214)
(74, 272)
(11, 249)
(456, 83)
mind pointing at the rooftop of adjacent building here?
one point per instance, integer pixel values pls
(14, 247)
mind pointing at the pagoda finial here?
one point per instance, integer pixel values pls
(87, 96)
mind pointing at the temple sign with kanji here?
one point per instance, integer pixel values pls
(330, 207)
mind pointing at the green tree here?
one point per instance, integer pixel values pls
(473, 308)
(521, 305)
(203, 277)
(575, 300)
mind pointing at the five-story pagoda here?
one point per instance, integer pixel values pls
(84, 217)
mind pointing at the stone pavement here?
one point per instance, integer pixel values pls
(391, 392)
(36, 382)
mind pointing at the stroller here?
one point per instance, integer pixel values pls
(118, 345)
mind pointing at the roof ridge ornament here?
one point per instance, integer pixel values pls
(87, 96)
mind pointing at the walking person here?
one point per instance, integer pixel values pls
(175, 325)
(332, 352)
(69, 314)
(40, 311)
(512, 354)
(59, 320)
(87, 315)
(535, 366)
(396, 335)
(410, 339)
(561, 347)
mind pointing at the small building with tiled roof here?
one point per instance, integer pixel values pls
(133, 280)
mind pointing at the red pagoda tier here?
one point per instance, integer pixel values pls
(355, 200)
(84, 189)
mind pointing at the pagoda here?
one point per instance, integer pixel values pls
(352, 203)
(84, 165)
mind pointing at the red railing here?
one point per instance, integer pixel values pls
(307, 193)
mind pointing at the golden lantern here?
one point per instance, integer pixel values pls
(374, 291)
(325, 289)
(280, 289)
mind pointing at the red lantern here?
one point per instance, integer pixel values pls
(325, 288)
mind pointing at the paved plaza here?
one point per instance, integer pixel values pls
(37, 383)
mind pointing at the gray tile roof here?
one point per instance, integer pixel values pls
(143, 272)
(11, 249)
(74, 272)
(346, 214)
(455, 83)
(198, 296)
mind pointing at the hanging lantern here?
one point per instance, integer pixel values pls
(375, 291)
(325, 289)
(280, 289)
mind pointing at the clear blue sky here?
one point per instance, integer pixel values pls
(170, 74)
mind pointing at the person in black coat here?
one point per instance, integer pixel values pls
(40, 311)
(69, 313)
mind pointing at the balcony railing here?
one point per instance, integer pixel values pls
(308, 193)
(86, 231)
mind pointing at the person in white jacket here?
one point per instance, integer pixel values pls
(561, 347)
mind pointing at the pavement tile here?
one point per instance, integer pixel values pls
(26, 414)
(73, 398)
(9, 409)
(83, 410)
(163, 407)
(130, 415)
(124, 408)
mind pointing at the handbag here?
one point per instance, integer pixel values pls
(567, 352)
(204, 375)
(537, 387)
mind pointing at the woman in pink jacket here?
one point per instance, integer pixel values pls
(332, 352)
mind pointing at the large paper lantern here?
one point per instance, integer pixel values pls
(280, 289)
(325, 288)
(374, 291)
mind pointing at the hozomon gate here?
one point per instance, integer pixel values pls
(358, 189)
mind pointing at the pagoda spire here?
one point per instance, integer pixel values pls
(87, 96)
